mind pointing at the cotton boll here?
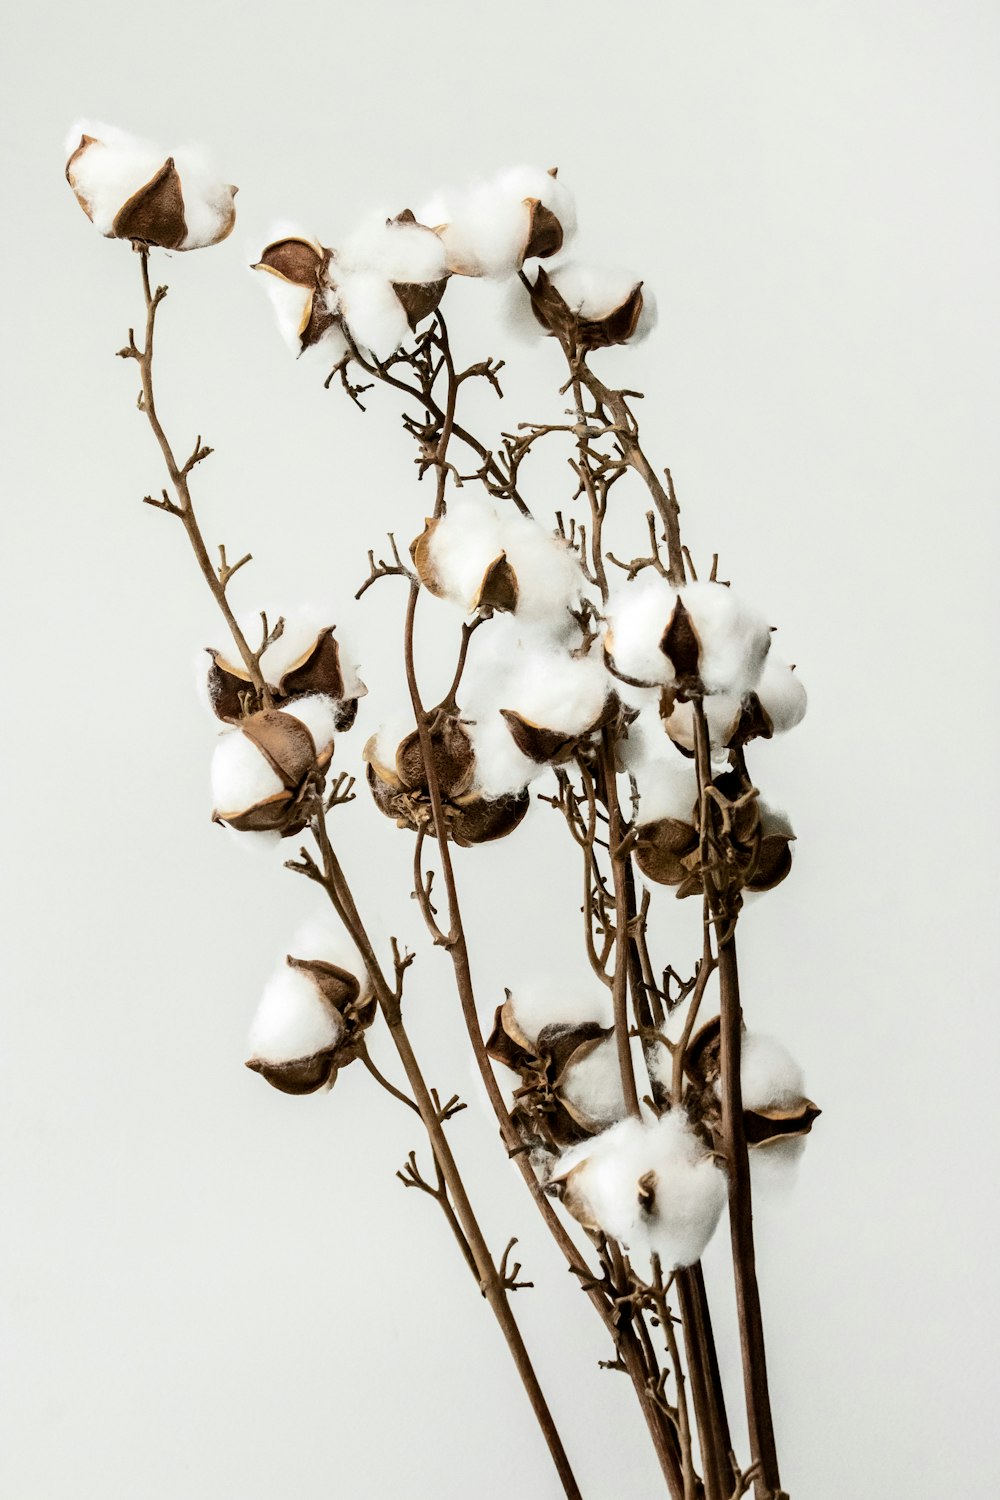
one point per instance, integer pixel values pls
(461, 547)
(292, 1020)
(372, 311)
(395, 251)
(654, 1187)
(241, 776)
(535, 182)
(734, 637)
(302, 624)
(638, 614)
(593, 1085)
(107, 174)
(769, 1076)
(319, 714)
(557, 690)
(549, 578)
(782, 695)
(539, 1001)
(292, 305)
(485, 228)
(593, 292)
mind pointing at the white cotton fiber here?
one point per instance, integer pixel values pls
(501, 768)
(538, 1001)
(638, 614)
(462, 546)
(782, 694)
(208, 202)
(593, 1085)
(372, 311)
(109, 172)
(689, 1189)
(552, 688)
(668, 788)
(485, 227)
(291, 304)
(241, 777)
(549, 579)
(593, 292)
(318, 713)
(396, 252)
(292, 1021)
(769, 1075)
(734, 637)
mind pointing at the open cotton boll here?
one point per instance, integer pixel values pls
(654, 1187)
(110, 171)
(319, 714)
(396, 251)
(593, 1085)
(769, 1075)
(461, 547)
(292, 1021)
(549, 579)
(782, 694)
(292, 305)
(560, 691)
(302, 624)
(593, 292)
(241, 776)
(485, 228)
(373, 313)
(638, 614)
(538, 1001)
(734, 637)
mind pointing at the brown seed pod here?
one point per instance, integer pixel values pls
(557, 318)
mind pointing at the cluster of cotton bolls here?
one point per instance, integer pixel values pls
(313, 1012)
(269, 758)
(132, 190)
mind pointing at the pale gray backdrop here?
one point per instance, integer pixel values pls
(213, 1292)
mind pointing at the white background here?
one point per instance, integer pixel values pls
(214, 1292)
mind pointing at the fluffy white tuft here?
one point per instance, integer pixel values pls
(590, 291)
(638, 614)
(690, 1188)
(735, 637)
(538, 1002)
(484, 228)
(302, 625)
(292, 1021)
(241, 777)
(396, 252)
(474, 533)
(110, 171)
(318, 713)
(501, 768)
(372, 311)
(769, 1075)
(554, 689)
(594, 1085)
(782, 694)
(208, 201)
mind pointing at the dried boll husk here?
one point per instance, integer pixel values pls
(132, 191)
(317, 671)
(264, 770)
(661, 850)
(618, 324)
(302, 267)
(399, 786)
(310, 1024)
